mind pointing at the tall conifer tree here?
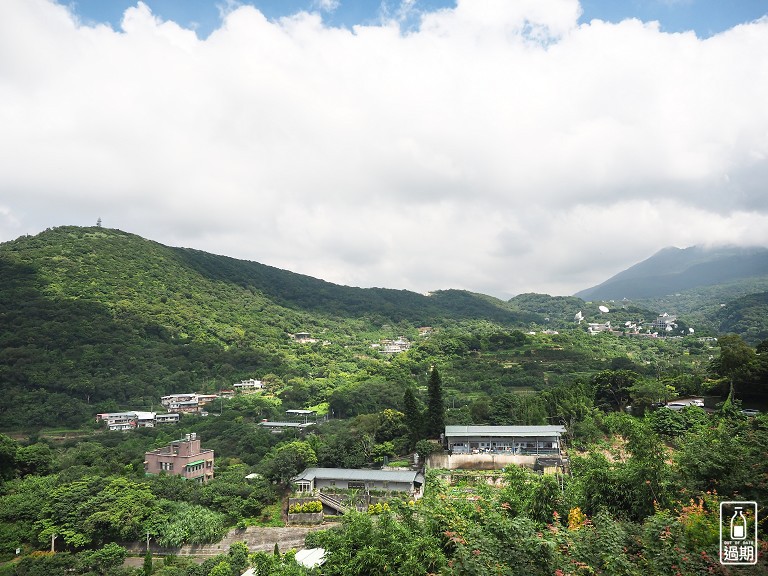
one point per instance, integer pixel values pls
(435, 417)
(414, 419)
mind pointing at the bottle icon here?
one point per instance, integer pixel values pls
(738, 524)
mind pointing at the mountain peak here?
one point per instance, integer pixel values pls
(673, 270)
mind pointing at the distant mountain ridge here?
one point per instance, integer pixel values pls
(674, 270)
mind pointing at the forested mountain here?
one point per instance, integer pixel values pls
(674, 270)
(91, 318)
(747, 316)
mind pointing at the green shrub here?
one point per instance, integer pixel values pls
(311, 507)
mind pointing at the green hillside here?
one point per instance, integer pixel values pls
(98, 320)
(93, 319)
(747, 316)
(701, 307)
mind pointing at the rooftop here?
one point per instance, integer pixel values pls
(360, 475)
(516, 431)
(271, 424)
(311, 557)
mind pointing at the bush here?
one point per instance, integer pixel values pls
(311, 507)
(378, 508)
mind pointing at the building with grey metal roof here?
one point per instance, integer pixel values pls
(504, 439)
(313, 479)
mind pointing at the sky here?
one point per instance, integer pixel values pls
(496, 146)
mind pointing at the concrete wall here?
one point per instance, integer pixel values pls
(491, 478)
(306, 518)
(478, 461)
(258, 539)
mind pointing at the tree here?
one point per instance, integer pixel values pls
(630, 488)
(8, 449)
(287, 460)
(735, 362)
(223, 568)
(545, 498)
(645, 392)
(103, 560)
(435, 416)
(390, 425)
(34, 459)
(388, 545)
(382, 451)
(515, 408)
(424, 448)
(238, 557)
(414, 419)
(612, 388)
(147, 566)
(176, 523)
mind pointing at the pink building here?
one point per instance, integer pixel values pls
(181, 458)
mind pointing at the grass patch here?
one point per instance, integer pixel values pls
(272, 515)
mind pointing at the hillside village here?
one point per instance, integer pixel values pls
(153, 414)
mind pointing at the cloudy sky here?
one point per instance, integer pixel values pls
(498, 146)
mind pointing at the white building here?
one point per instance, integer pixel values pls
(395, 346)
(249, 385)
(596, 327)
(121, 421)
(168, 418)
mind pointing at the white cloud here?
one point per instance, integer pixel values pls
(326, 5)
(498, 146)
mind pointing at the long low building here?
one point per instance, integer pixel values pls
(317, 479)
(130, 420)
(528, 440)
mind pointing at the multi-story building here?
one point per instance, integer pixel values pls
(665, 323)
(180, 402)
(250, 385)
(129, 420)
(118, 420)
(169, 418)
(187, 403)
(394, 346)
(183, 458)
